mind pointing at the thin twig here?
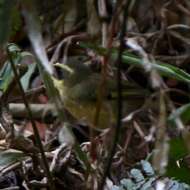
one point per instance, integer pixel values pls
(119, 100)
(35, 129)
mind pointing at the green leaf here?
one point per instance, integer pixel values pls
(183, 113)
(6, 77)
(177, 148)
(6, 73)
(137, 175)
(25, 80)
(11, 156)
(148, 182)
(147, 168)
(177, 152)
(172, 71)
(163, 68)
(128, 184)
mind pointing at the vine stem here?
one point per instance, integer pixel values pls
(35, 129)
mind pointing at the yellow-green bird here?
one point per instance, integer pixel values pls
(79, 89)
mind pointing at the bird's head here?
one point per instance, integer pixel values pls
(74, 72)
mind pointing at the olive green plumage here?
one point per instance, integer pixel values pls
(79, 89)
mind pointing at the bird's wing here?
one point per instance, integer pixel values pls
(86, 90)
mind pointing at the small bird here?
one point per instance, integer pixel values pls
(79, 88)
